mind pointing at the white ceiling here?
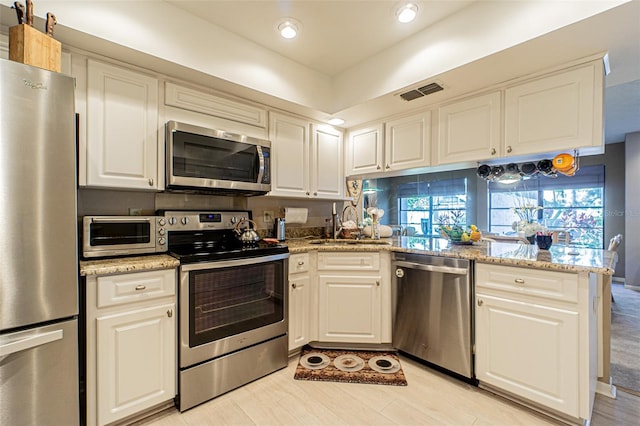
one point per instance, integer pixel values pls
(336, 35)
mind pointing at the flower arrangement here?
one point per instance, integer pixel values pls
(528, 217)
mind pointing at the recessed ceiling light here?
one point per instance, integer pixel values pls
(336, 121)
(407, 13)
(288, 28)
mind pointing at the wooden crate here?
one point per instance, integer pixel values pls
(32, 47)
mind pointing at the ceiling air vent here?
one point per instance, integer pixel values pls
(421, 91)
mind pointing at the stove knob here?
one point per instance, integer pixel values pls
(161, 231)
(234, 220)
(162, 241)
(184, 220)
(162, 222)
(172, 221)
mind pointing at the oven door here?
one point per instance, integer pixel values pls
(231, 304)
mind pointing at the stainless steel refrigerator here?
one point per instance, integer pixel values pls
(38, 254)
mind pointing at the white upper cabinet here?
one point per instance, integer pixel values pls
(561, 111)
(408, 142)
(327, 170)
(121, 129)
(470, 129)
(306, 159)
(404, 144)
(365, 149)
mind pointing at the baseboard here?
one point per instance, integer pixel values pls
(632, 287)
(606, 389)
(618, 279)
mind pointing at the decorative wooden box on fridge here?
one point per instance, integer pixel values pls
(32, 47)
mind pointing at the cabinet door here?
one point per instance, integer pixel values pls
(364, 153)
(136, 361)
(299, 310)
(408, 142)
(327, 170)
(469, 130)
(290, 156)
(122, 128)
(529, 350)
(559, 112)
(349, 308)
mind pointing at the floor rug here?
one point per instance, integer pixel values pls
(329, 365)
(625, 338)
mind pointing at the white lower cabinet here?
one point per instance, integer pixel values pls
(354, 297)
(131, 343)
(534, 333)
(302, 300)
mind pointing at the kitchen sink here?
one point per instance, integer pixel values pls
(350, 242)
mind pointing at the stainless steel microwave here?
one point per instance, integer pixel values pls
(104, 236)
(208, 160)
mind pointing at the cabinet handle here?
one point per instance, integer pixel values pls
(308, 193)
(480, 302)
(293, 285)
(378, 283)
(150, 181)
(300, 262)
(493, 151)
(388, 166)
(519, 281)
(169, 313)
(509, 149)
(315, 193)
(140, 287)
(378, 167)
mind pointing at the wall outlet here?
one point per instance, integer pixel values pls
(267, 217)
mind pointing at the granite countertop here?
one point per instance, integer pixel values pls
(117, 265)
(558, 257)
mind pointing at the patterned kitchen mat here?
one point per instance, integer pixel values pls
(329, 365)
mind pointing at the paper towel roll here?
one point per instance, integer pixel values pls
(295, 214)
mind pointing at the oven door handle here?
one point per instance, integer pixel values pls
(233, 262)
(132, 219)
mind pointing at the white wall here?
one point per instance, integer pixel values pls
(632, 209)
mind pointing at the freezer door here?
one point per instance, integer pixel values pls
(39, 376)
(38, 225)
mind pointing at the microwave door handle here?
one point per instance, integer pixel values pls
(121, 219)
(260, 164)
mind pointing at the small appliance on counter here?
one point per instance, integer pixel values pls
(104, 236)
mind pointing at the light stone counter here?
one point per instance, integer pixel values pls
(559, 257)
(118, 265)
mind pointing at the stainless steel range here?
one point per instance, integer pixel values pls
(232, 299)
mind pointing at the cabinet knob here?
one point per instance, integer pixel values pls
(493, 151)
(388, 166)
(150, 181)
(307, 192)
(169, 313)
(300, 262)
(480, 302)
(140, 287)
(518, 281)
(293, 285)
(509, 149)
(315, 193)
(378, 167)
(378, 283)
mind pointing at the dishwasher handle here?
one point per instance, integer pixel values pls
(433, 268)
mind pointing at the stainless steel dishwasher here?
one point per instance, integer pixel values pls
(433, 310)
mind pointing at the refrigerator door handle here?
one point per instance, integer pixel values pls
(29, 342)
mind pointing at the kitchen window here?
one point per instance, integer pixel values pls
(572, 205)
(424, 206)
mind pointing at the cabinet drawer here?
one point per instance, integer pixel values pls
(345, 261)
(299, 263)
(553, 285)
(135, 287)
